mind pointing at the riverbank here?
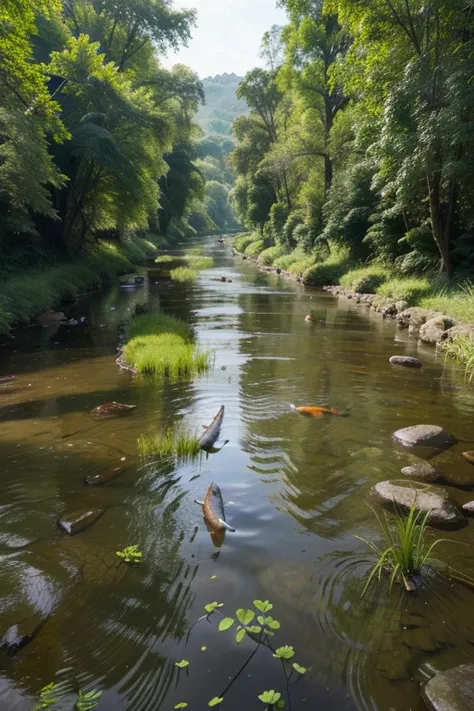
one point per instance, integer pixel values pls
(25, 296)
(443, 311)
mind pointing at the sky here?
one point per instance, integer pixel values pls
(228, 35)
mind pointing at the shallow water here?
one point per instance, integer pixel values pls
(297, 493)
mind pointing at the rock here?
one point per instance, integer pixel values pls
(469, 457)
(391, 666)
(462, 329)
(103, 477)
(244, 256)
(415, 315)
(432, 331)
(368, 453)
(388, 310)
(51, 318)
(451, 690)
(112, 409)
(403, 495)
(422, 472)
(469, 508)
(406, 361)
(401, 306)
(455, 470)
(425, 436)
(78, 521)
(420, 638)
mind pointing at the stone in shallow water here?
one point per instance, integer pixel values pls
(422, 472)
(421, 638)
(103, 477)
(442, 513)
(368, 453)
(455, 470)
(406, 361)
(451, 690)
(425, 436)
(78, 521)
(468, 508)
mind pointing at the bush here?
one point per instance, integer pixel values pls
(329, 272)
(242, 242)
(287, 236)
(254, 248)
(302, 265)
(285, 261)
(409, 290)
(269, 255)
(365, 280)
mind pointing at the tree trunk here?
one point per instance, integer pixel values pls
(440, 236)
(327, 174)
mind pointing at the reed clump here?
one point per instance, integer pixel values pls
(177, 442)
(461, 349)
(183, 274)
(198, 262)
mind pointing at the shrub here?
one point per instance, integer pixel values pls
(285, 261)
(409, 290)
(254, 248)
(269, 255)
(330, 271)
(365, 280)
(242, 242)
(298, 268)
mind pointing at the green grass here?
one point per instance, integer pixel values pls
(164, 346)
(299, 267)
(286, 260)
(268, 256)
(406, 551)
(410, 290)
(197, 262)
(365, 280)
(183, 274)
(254, 248)
(241, 242)
(165, 259)
(461, 349)
(457, 302)
(331, 270)
(176, 442)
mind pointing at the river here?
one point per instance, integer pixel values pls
(297, 493)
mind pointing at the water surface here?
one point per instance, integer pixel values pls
(297, 489)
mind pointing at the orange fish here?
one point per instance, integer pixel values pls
(317, 412)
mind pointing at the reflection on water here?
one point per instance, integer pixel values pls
(296, 491)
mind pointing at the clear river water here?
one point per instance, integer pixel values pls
(297, 493)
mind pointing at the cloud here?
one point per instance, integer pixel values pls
(228, 35)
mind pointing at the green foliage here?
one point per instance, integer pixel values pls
(181, 705)
(216, 701)
(286, 652)
(163, 346)
(409, 290)
(271, 698)
(197, 262)
(365, 280)
(48, 697)
(165, 259)
(457, 302)
(177, 442)
(131, 555)
(241, 242)
(182, 664)
(406, 551)
(270, 255)
(255, 248)
(183, 274)
(299, 267)
(461, 349)
(330, 271)
(286, 260)
(87, 701)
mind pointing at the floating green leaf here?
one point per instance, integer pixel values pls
(299, 669)
(256, 629)
(213, 577)
(203, 649)
(88, 701)
(240, 635)
(47, 698)
(181, 705)
(270, 697)
(245, 617)
(281, 704)
(130, 554)
(263, 606)
(226, 624)
(182, 664)
(215, 701)
(285, 652)
(273, 624)
(211, 606)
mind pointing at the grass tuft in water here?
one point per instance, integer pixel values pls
(165, 259)
(461, 349)
(406, 550)
(177, 442)
(197, 262)
(183, 274)
(164, 346)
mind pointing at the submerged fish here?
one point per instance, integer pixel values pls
(212, 431)
(318, 412)
(112, 409)
(213, 510)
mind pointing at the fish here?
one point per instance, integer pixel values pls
(213, 510)
(212, 431)
(318, 412)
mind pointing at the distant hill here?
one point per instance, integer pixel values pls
(222, 105)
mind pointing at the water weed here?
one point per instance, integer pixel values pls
(405, 550)
(177, 442)
(461, 349)
(183, 274)
(198, 262)
(130, 555)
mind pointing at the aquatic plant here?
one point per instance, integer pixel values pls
(48, 697)
(86, 701)
(461, 349)
(197, 262)
(183, 274)
(165, 259)
(176, 442)
(130, 555)
(164, 346)
(406, 551)
(258, 626)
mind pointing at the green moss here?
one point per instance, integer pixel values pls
(365, 280)
(164, 346)
(183, 274)
(176, 442)
(254, 248)
(268, 256)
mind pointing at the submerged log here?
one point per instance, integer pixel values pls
(77, 521)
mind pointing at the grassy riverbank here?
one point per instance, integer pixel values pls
(25, 296)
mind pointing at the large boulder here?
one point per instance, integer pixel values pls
(461, 329)
(406, 361)
(425, 436)
(432, 331)
(401, 306)
(442, 513)
(422, 471)
(414, 317)
(451, 690)
(388, 310)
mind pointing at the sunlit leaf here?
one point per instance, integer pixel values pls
(211, 606)
(182, 664)
(245, 617)
(203, 649)
(286, 652)
(226, 624)
(299, 669)
(181, 705)
(270, 697)
(263, 606)
(256, 629)
(215, 701)
(240, 635)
